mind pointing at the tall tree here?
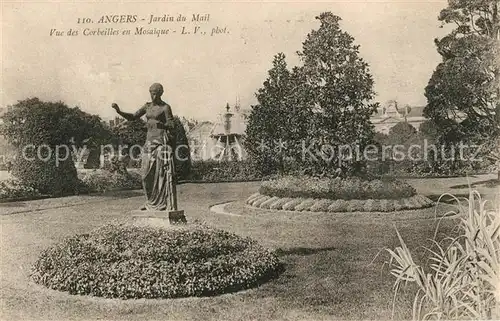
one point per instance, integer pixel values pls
(480, 17)
(463, 93)
(340, 93)
(266, 129)
(35, 122)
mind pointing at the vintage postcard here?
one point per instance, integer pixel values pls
(250, 160)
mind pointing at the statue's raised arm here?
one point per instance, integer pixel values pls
(129, 116)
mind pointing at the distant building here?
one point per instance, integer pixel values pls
(200, 142)
(390, 114)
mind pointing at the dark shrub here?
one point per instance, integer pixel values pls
(183, 154)
(52, 177)
(35, 126)
(102, 181)
(116, 165)
(226, 171)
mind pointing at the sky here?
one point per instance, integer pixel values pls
(201, 72)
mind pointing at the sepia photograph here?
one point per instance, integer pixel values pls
(250, 160)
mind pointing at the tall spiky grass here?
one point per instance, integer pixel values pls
(462, 280)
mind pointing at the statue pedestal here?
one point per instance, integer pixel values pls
(159, 218)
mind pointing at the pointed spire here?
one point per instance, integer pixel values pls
(237, 105)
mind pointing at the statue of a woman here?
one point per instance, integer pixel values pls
(158, 172)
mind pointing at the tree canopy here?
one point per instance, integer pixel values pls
(35, 122)
(327, 100)
(463, 93)
(129, 133)
(268, 121)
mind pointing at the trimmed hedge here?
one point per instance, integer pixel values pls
(102, 181)
(125, 261)
(12, 189)
(336, 188)
(225, 171)
(248, 170)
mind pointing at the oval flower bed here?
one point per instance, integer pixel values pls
(337, 195)
(125, 261)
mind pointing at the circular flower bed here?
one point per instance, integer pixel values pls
(125, 261)
(326, 205)
(337, 188)
(337, 195)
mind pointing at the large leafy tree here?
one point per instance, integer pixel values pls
(324, 102)
(463, 93)
(35, 122)
(429, 130)
(45, 134)
(339, 92)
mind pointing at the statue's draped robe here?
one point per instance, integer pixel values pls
(158, 178)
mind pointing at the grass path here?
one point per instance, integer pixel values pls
(331, 272)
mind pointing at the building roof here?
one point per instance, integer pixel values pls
(415, 111)
(389, 120)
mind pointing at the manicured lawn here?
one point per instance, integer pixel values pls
(335, 264)
(457, 185)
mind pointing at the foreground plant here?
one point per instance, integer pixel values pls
(463, 280)
(125, 261)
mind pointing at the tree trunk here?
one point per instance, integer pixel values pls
(495, 22)
(281, 167)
